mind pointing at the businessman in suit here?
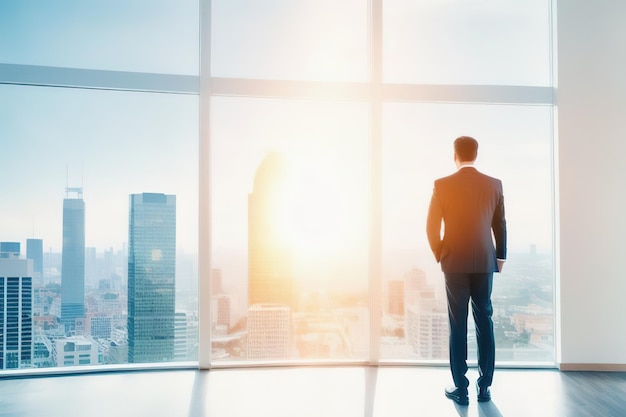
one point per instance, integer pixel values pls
(470, 205)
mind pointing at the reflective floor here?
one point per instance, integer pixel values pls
(314, 392)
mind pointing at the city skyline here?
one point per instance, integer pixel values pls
(362, 166)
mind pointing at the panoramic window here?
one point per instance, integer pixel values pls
(290, 229)
(322, 125)
(103, 230)
(515, 146)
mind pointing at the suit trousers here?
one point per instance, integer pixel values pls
(461, 288)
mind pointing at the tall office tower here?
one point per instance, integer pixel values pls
(34, 251)
(269, 332)
(73, 259)
(16, 313)
(270, 260)
(151, 277)
(396, 297)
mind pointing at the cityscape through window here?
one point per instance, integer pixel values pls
(326, 124)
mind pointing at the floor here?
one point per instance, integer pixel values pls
(310, 392)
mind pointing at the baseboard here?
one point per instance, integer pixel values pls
(598, 367)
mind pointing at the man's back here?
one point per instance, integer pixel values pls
(471, 205)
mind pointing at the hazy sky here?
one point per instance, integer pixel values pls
(160, 36)
(110, 143)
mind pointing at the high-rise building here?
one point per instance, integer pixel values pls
(73, 259)
(220, 312)
(396, 297)
(34, 251)
(151, 277)
(269, 332)
(16, 313)
(270, 260)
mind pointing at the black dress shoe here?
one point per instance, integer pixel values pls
(458, 395)
(484, 394)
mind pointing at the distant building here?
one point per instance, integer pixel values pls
(73, 260)
(269, 332)
(427, 329)
(91, 267)
(180, 336)
(34, 251)
(414, 284)
(9, 250)
(42, 352)
(151, 278)
(396, 297)
(270, 260)
(220, 306)
(100, 327)
(16, 313)
(76, 351)
(216, 281)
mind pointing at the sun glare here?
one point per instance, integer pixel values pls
(314, 215)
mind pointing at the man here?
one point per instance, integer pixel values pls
(471, 206)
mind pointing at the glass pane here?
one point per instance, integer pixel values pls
(85, 172)
(515, 146)
(160, 36)
(324, 40)
(289, 225)
(482, 42)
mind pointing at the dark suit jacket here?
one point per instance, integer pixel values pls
(471, 205)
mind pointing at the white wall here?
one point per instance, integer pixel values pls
(592, 180)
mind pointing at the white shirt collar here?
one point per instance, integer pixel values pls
(466, 165)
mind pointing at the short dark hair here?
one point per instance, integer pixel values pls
(466, 148)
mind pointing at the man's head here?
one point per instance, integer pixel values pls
(465, 149)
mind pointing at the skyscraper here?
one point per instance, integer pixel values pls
(34, 251)
(73, 259)
(270, 260)
(151, 277)
(16, 313)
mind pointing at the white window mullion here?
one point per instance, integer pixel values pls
(204, 181)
